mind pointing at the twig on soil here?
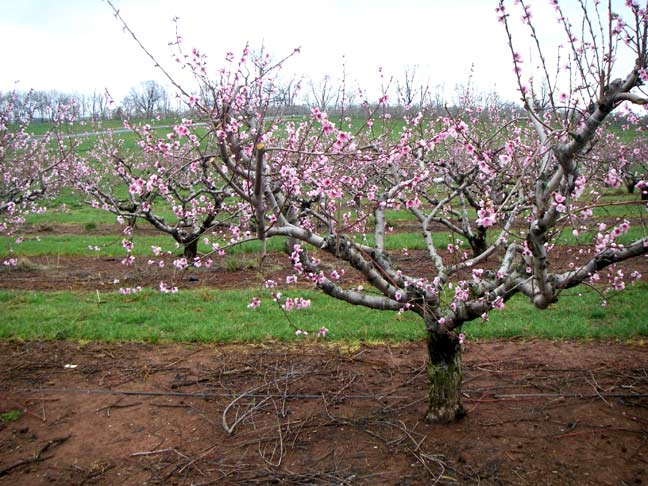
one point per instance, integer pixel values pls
(596, 388)
(116, 405)
(281, 444)
(295, 396)
(37, 457)
(529, 396)
(420, 456)
(230, 429)
(170, 405)
(159, 451)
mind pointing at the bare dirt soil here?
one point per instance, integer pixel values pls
(540, 412)
(85, 273)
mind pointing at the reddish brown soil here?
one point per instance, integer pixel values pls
(540, 412)
(108, 274)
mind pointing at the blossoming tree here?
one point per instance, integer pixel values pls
(623, 159)
(32, 167)
(332, 189)
(165, 182)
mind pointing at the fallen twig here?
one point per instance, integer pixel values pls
(37, 457)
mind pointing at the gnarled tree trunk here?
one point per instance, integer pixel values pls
(445, 375)
(191, 249)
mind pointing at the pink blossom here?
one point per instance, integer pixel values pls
(485, 218)
(180, 263)
(322, 332)
(296, 304)
(136, 186)
(128, 261)
(318, 115)
(343, 137)
(165, 289)
(612, 178)
(461, 294)
(413, 203)
(254, 303)
(643, 75)
(498, 303)
(327, 127)
(181, 130)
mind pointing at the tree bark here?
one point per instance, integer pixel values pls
(478, 243)
(191, 249)
(445, 375)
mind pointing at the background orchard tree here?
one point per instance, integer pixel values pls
(167, 182)
(330, 189)
(32, 167)
(622, 159)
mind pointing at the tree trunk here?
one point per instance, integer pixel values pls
(478, 242)
(445, 375)
(191, 250)
(477, 245)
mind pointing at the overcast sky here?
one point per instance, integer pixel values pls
(78, 46)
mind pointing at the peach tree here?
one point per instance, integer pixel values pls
(33, 167)
(332, 187)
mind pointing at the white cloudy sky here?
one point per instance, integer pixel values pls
(78, 46)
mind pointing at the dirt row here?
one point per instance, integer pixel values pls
(540, 412)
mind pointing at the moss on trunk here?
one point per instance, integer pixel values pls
(445, 375)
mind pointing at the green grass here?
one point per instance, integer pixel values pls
(10, 416)
(567, 238)
(110, 245)
(222, 316)
(200, 315)
(575, 316)
(85, 126)
(77, 244)
(68, 245)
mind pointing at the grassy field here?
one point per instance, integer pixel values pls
(207, 315)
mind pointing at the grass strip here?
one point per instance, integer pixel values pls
(207, 315)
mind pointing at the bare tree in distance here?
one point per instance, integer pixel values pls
(412, 93)
(147, 100)
(325, 93)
